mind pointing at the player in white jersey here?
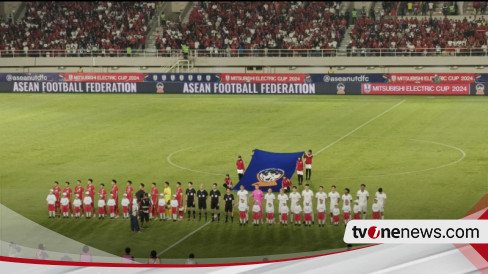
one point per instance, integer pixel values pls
(77, 205)
(363, 197)
(295, 198)
(334, 198)
(321, 207)
(346, 209)
(282, 200)
(243, 209)
(346, 196)
(269, 197)
(162, 206)
(307, 195)
(65, 205)
(101, 208)
(51, 201)
(243, 194)
(87, 201)
(381, 197)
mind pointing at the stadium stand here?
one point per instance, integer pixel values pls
(77, 28)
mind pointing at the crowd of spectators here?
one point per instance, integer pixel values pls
(77, 28)
(423, 37)
(229, 28)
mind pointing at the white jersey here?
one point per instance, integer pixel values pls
(295, 197)
(307, 209)
(334, 198)
(111, 202)
(346, 208)
(242, 206)
(284, 210)
(336, 211)
(297, 209)
(51, 199)
(87, 200)
(243, 194)
(64, 201)
(363, 196)
(321, 207)
(283, 199)
(376, 207)
(125, 202)
(101, 203)
(77, 203)
(269, 198)
(307, 196)
(256, 208)
(347, 197)
(357, 209)
(161, 202)
(381, 197)
(269, 209)
(321, 196)
(135, 208)
(174, 203)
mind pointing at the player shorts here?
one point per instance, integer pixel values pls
(255, 215)
(363, 207)
(357, 216)
(144, 217)
(161, 209)
(346, 216)
(332, 206)
(240, 171)
(308, 166)
(77, 209)
(111, 209)
(50, 207)
(125, 209)
(270, 216)
(214, 205)
(88, 208)
(284, 217)
(382, 208)
(376, 215)
(64, 209)
(321, 215)
(308, 217)
(101, 210)
(242, 214)
(228, 208)
(335, 218)
(174, 210)
(189, 203)
(298, 217)
(202, 204)
(300, 172)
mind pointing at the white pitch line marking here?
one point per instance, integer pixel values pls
(193, 170)
(359, 127)
(184, 238)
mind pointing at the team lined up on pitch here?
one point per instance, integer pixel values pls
(292, 208)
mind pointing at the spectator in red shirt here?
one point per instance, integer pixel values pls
(286, 184)
(228, 182)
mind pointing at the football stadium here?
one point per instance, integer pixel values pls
(288, 118)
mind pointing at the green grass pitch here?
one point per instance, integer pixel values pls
(414, 152)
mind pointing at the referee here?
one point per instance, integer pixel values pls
(202, 195)
(145, 205)
(215, 202)
(229, 198)
(190, 200)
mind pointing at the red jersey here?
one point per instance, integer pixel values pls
(299, 165)
(80, 190)
(228, 182)
(240, 165)
(179, 196)
(115, 191)
(68, 192)
(129, 190)
(154, 194)
(103, 193)
(286, 183)
(57, 191)
(91, 189)
(308, 158)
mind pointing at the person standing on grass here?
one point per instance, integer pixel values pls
(363, 196)
(334, 198)
(190, 200)
(228, 182)
(115, 193)
(308, 165)
(167, 196)
(111, 206)
(299, 170)
(244, 195)
(87, 201)
(127, 258)
(381, 197)
(215, 202)
(77, 205)
(346, 209)
(80, 191)
(174, 208)
(125, 206)
(321, 197)
(134, 212)
(307, 195)
(101, 208)
(129, 190)
(91, 189)
(153, 212)
(162, 207)
(57, 193)
(297, 211)
(202, 195)
(295, 198)
(357, 210)
(67, 189)
(65, 205)
(139, 194)
(256, 213)
(243, 208)
(346, 196)
(335, 215)
(258, 196)
(179, 197)
(241, 167)
(376, 210)
(103, 195)
(51, 203)
(229, 207)
(145, 206)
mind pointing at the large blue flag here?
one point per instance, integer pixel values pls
(266, 170)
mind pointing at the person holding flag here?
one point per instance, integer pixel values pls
(240, 167)
(308, 165)
(299, 170)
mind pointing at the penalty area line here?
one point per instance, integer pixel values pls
(361, 126)
(184, 238)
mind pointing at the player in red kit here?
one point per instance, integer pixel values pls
(308, 165)
(179, 198)
(286, 184)
(57, 193)
(129, 191)
(80, 191)
(103, 193)
(240, 167)
(91, 189)
(68, 192)
(115, 192)
(300, 171)
(154, 198)
(228, 182)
